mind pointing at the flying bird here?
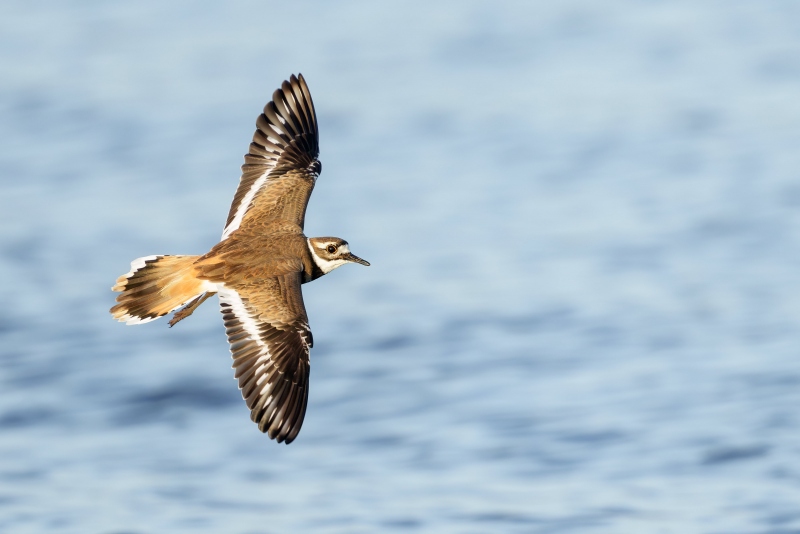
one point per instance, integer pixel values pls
(257, 268)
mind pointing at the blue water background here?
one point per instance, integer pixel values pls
(583, 309)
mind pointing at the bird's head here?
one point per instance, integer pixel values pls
(331, 252)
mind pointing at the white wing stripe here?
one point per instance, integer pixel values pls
(242, 208)
(230, 298)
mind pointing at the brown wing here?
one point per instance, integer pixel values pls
(279, 172)
(268, 333)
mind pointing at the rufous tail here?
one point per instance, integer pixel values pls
(156, 286)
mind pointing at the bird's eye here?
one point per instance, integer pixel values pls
(331, 249)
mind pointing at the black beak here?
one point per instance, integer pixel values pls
(355, 259)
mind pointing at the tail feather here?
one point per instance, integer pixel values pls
(156, 286)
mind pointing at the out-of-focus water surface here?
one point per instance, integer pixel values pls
(582, 313)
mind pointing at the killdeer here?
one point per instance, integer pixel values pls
(256, 268)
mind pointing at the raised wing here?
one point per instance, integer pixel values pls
(269, 338)
(281, 168)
